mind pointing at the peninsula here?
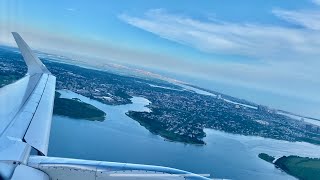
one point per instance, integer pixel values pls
(299, 167)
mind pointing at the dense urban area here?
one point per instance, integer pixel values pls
(177, 114)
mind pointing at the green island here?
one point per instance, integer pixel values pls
(300, 167)
(266, 157)
(155, 127)
(75, 108)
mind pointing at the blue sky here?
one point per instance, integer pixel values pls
(265, 51)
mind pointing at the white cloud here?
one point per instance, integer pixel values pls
(89, 49)
(71, 9)
(254, 40)
(316, 1)
(307, 19)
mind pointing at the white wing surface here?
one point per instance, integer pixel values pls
(25, 112)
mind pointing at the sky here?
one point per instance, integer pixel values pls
(264, 51)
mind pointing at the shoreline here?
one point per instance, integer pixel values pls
(296, 166)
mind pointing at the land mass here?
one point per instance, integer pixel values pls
(300, 167)
(176, 113)
(266, 157)
(158, 128)
(76, 109)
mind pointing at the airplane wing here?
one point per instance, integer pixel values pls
(25, 112)
(26, 108)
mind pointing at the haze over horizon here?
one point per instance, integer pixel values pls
(266, 52)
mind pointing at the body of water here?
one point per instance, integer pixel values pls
(121, 139)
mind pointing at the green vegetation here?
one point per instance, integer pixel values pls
(266, 157)
(300, 167)
(75, 108)
(158, 128)
(122, 94)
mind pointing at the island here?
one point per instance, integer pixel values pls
(76, 109)
(300, 167)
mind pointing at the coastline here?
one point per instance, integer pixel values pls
(296, 166)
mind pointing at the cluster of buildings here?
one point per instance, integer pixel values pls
(181, 113)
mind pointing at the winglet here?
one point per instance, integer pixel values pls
(35, 66)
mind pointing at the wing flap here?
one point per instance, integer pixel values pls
(39, 130)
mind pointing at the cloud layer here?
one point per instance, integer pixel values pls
(255, 40)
